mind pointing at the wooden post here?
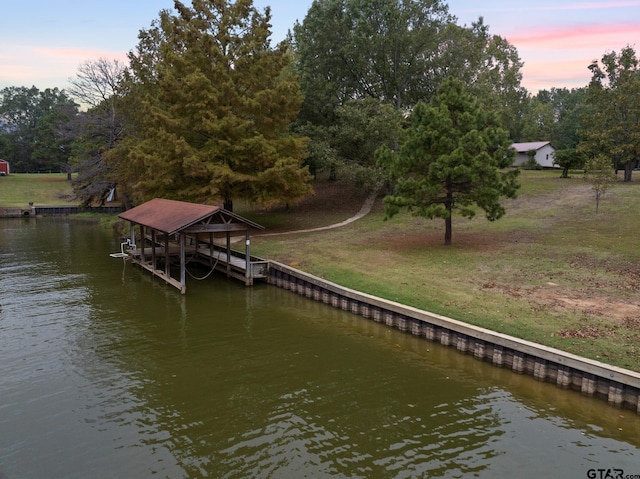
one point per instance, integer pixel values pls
(228, 253)
(153, 249)
(247, 259)
(132, 234)
(167, 263)
(210, 249)
(142, 244)
(183, 276)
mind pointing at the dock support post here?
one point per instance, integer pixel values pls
(142, 240)
(167, 260)
(183, 276)
(211, 249)
(228, 254)
(247, 259)
(153, 249)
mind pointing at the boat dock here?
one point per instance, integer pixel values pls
(170, 231)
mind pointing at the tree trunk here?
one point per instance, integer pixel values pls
(228, 205)
(126, 201)
(628, 170)
(333, 174)
(447, 231)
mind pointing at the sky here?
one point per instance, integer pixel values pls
(43, 42)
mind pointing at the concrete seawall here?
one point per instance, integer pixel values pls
(619, 387)
(32, 211)
(17, 212)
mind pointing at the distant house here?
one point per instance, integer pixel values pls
(4, 167)
(543, 153)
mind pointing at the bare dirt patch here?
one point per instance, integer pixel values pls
(570, 195)
(617, 311)
(464, 240)
(584, 333)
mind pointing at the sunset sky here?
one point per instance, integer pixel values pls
(43, 42)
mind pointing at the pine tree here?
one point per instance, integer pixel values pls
(452, 158)
(209, 108)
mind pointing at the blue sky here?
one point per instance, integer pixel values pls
(42, 42)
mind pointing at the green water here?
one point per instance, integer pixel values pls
(106, 372)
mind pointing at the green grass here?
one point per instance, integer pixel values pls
(18, 189)
(550, 271)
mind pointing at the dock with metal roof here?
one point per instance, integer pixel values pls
(163, 232)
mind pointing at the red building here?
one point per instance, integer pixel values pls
(4, 168)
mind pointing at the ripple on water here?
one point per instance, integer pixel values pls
(108, 373)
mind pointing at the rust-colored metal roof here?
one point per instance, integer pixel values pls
(168, 216)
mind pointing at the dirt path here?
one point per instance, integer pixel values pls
(365, 210)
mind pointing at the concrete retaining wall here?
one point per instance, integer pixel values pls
(72, 210)
(16, 212)
(55, 211)
(620, 387)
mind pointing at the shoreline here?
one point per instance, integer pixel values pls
(618, 386)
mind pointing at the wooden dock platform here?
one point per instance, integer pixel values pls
(232, 263)
(175, 231)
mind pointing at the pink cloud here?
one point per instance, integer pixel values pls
(561, 7)
(21, 64)
(559, 56)
(591, 5)
(575, 36)
(538, 74)
(66, 54)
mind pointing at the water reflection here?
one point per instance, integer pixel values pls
(107, 372)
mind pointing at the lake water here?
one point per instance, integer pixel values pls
(107, 372)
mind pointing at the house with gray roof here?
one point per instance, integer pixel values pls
(544, 153)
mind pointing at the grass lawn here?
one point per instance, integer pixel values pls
(18, 189)
(550, 271)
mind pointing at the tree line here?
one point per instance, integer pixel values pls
(380, 92)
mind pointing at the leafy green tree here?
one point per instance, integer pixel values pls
(349, 51)
(612, 125)
(531, 163)
(451, 159)
(33, 122)
(322, 153)
(396, 53)
(555, 115)
(600, 173)
(354, 49)
(568, 159)
(4, 142)
(491, 68)
(569, 110)
(363, 126)
(18, 110)
(209, 109)
(539, 121)
(52, 147)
